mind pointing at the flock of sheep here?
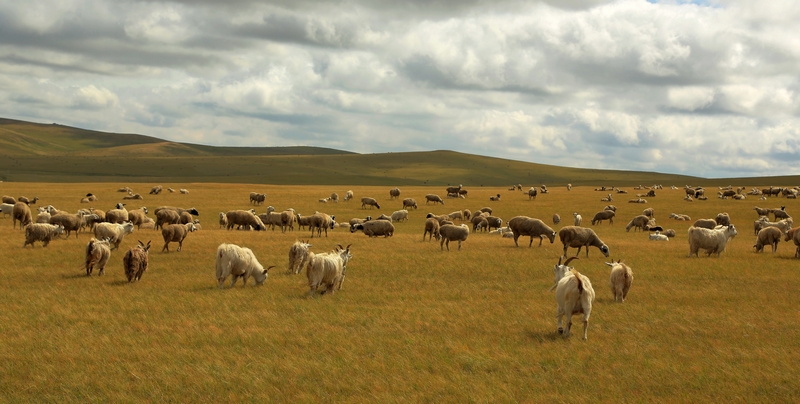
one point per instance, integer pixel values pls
(326, 271)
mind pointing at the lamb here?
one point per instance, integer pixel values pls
(649, 212)
(113, 232)
(97, 254)
(604, 215)
(348, 196)
(135, 261)
(43, 232)
(620, 280)
(432, 228)
(22, 213)
(399, 215)
(238, 262)
(638, 222)
(450, 233)
(156, 190)
(409, 203)
(722, 219)
(298, 256)
(223, 220)
(526, 226)
(69, 221)
(768, 236)
(532, 193)
(367, 201)
(321, 221)
(176, 232)
(495, 198)
(574, 295)
(578, 218)
(328, 270)
(433, 198)
(165, 217)
(394, 193)
(244, 218)
(556, 218)
(711, 240)
(138, 216)
(705, 223)
(657, 236)
(579, 237)
(374, 228)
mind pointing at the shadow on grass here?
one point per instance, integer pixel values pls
(77, 275)
(544, 336)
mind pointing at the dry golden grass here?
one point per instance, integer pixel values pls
(411, 324)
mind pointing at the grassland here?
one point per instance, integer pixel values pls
(412, 323)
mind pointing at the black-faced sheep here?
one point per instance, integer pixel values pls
(526, 226)
(244, 218)
(638, 222)
(117, 215)
(432, 228)
(43, 232)
(574, 295)
(374, 228)
(394, 193)
(135, 261)
(367, 201)
(97, 254)
(711, 240)
(176, 233)
(495, 198)
(298, 256)
(433, 198)
(409, 203)
(579, 237)
(768, 236)
(238, 262)
(21, 213)
(620, 280)
(450, 233)
(604, 215)
(327, 270)
(494, 222)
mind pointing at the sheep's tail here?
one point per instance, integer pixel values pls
(578, 278)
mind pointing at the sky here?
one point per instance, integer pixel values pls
(706, 88)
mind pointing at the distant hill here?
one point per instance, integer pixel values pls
(33, 152)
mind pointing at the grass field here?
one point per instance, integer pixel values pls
(411, 324)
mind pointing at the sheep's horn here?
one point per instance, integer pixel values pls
(268, 268)
(566, 263)
(348, 246)
(559, 260)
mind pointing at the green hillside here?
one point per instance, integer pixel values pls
(32, 152)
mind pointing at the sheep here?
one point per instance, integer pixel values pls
(156, 190)
(449, 232)
(409, 203)
(8, 209)
(244, 218)
(620, 280)
(556, 218)
(22, 213)
(149, 224)
(223, 220)
(526, 226)
(193, 211)
(462, 193)
(348, 196)
(669, 233)
(794, 235)
(324, 200)
(257, 199)
(71, 222)
(134, 196)
(638, 222)
(784, 225)
(327, 269)
(357, 220)
(454, 195)
(113, 231)
(321, 221)
(711, 240)
(678, 216)
(399, 215)
(184, 191)
(9, 199)
(493, 221)
(466, 213)
(43, 217)
(479, 223)
(384, 217)
(579, 237)
(433, 198)
(604, 215)
(28, 201)
(43, 232)
(459, 214)
(124, 189)
(172, 191)
(138, 216)
(574, 295)
(176, 232)
(768, 236)
(298, 256)
(780, 213)
(532, 193)
(165, 217)
(485, 210)
(118, 215)
(495, 198)
(639, 200)
(569, 187)
(657, 236)
(394, 193)
(432, 228)
(374, 228)
(271, 218)
(101, 214)
(607, 199)
(97, 254)
(135, 261)
(288, 217)
(578, 218)
(762, 211)
(722, 219)
(705, 223)
(367, 201)
(238, 262)
(649, 212)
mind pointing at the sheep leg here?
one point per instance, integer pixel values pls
(459, 245)
(180, 244)
(541, 239)
(166, 247)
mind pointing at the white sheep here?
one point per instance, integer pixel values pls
(223, 220)
(784, 224)
(526, 226)
(348, 196)
(620, 280)
(238, 262)
(450, 233)
(113, 231)
(184, 191)
(298, 256)
(7, 209)
(97, 254)
(136, 261)
(177, 233)
(578, 218)
(399, 215)
(43, 232)
(579, 237)
(768, 236)
(657, 236)
(574, 295)
(367, 201)
(328, 270)
(711, 240)
(608, 198)
(394, 193)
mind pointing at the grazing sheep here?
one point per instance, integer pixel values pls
(135, 261)
(638, 222)
(574, 295)
(433, 198)
(97, 254)
(459, 214)
(532, 193)
(367, 201)
(71, 222)
(257, 199)
(348, 196)
(578, 218)
(649, 212)
(579, 237)
(669, 233)
(321, 221)
(604, 215)
(399, 215)
(705, 223)
(526, 226)
(479, 222)
(374, 228)
(450, 233)
(113, 232)
(288, 217)
(244, 218)
(271, 218)
(794, 235)
(657, 236)
(780, 213)
(138, 216)
(165, 217)
(238, 262)
(223, 220)
(176, 232)
(298, 256)
(43, 232)
(722, 219)
(485, 210)
(394, 193)
(620, 280)
(327, 269)
(22, 213)
(556, 218)
(409, 203)
(156, 190)
(768, 236)
(432, 228)
(711, 240)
